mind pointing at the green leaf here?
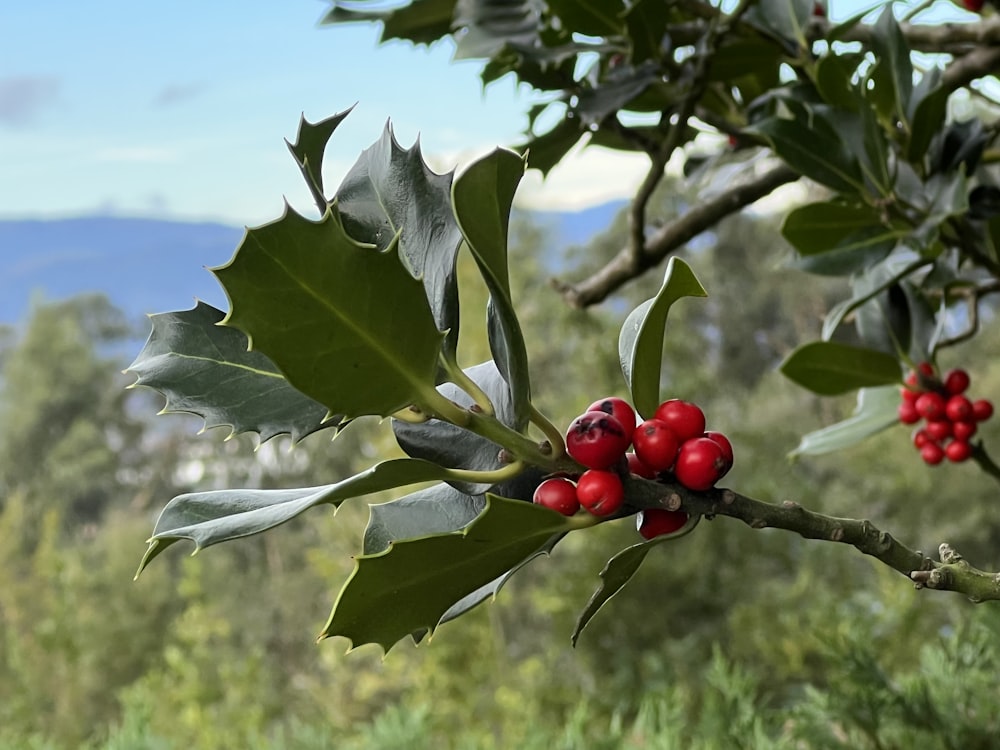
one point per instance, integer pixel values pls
(826, 226)
(487, 26)
(833, 78)
(875, 280)
(207, 518)
(482, 196)
(409, 587)
(640, 343)
(830, 368)
(545, 151)
(590, 17)
(346, 324)
(435, 510)
(929, 105)
(308, 150)
(391, 192)
(205, 369)
(895, 66)
(784, 20)
(646, 23)
(446, 444)
(814, 149)
(876, 411)
(418, 21)
(621, 87)
(619, 571)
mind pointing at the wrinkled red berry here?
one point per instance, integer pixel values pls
(557, 494)
(656, 445)
(654, 522)
(600, 492)
(618, 408)
(686, 420)
(597, 440)
(700, 464)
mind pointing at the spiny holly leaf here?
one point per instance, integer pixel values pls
(418, 21)
(619, 570)
(640, 344)
(482, 196)
(876, 411)
(345, 323)
(448, 445)
(411, 585)
(308, 150)
(830, 368)
(391, 191)
(205, 369)
(207, 518)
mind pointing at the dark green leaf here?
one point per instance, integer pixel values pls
(868, 285)
(482, 196)
(876, 411)
(622, 85)
(411, 585)
(833, 74)
(487, 26)
(308, 150)
(830, 368)
(207, 518)
(418, 21)
(590, 17)
(815, 150)
(784, 20)
(345, 323)
(205, 369)
(640, 343)
(391, 191)
(543, 152)
(646, 23)
(929, 106)
(448, 445)
(826, 226)
(746, 56)
(894, 58)
(619, 571)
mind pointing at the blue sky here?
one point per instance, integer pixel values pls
(179, 109)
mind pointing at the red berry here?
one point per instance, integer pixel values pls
(939, 429)
(654, 522)
(818, 10)
(557, 494)
(686, 419)
(700, 463)
(618, 408)
(909, 395)
(963, 430)
(912, 380)
(932, 453)
(975, 6)
(908, 413)
(600, 492)
(930, 405)
(597, 440)
(926, 369)
(956, 381)
(982, 410)
(727, 447)
(636, 466)
(958, 451)
(958, 409)
(922, 438)
(656, 445)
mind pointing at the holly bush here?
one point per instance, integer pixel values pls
(355, 314)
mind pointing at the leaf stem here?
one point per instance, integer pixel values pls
(552, 433)
(460, 378)
(496, 476)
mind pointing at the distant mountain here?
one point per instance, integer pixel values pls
(148, 265)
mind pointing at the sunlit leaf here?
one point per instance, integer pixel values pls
(308, 150)
(876, 411)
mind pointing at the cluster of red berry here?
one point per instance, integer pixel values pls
(672, 444)
(951, 417)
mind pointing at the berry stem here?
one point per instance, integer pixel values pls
(496, 476)
(462, 380)
(551, 432)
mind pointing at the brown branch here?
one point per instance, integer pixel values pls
(951, 573)
(980, 62)
(623, 267)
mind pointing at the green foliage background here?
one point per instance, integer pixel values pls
(727, 638)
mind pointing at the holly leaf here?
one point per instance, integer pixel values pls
(640, 343)
(895, 71)
(446, 444)
(391, 192)
(830, 368)
(837, 226)
(418, 21)
(308, 150)
(591, 17)
(619, 571)
(434, 510)
(207, 518)
(482, 196)
(876, 410)
(409, 587)
(205, 369)
(345, 323)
